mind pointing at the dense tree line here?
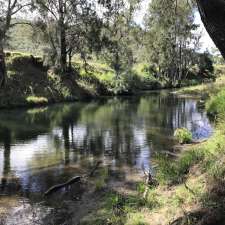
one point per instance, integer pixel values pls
(107, 29)
(171, 38)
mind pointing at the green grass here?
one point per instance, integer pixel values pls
(27, 77)
(183, 135)
(216, 104)
(204, 90)
(29, 83)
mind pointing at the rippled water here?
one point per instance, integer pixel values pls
(41, 147)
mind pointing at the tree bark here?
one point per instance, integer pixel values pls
(63, 44)
(63, 57)
(2, 67)
(213, 17)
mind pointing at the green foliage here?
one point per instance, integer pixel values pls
(183, 135)
(34, 100)
(174, 172)
(21, 38)
(136, 219)
(205, 65)
(219, 69)
(120, 36)
(216, 104)
(102, 179)
(170, 41)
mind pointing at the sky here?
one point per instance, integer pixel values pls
(206, 41)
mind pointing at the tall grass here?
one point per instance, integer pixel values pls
(216, 104)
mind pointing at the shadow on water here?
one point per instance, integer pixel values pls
(44, 146)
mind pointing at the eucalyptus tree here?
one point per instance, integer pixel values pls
(67, 25)
(170, 39)
(120, 34)
(8, 10)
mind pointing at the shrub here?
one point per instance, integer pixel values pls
(34, 100)
(183, 135)
(216, 105)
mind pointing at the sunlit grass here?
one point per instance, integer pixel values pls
(37, 100)
(205, 89)
(216, 104)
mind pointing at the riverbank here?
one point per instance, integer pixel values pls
(204, 90)
(29, 83)
(191, 186)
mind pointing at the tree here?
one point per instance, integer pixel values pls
(170, 39)
(67, 25)
(120, 34)
(205, 63)
(213, 16)
(9, 8)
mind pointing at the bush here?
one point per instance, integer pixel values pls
(216, 105)
(34, 100)
(183, 135)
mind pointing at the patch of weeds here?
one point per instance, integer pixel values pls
(135, 219)
(166, 170)
(183, 135)
(188, 159)
(100, 183)
(34, 100)
(141, 187)
(216, 104)
(153, 200)
(173, 172)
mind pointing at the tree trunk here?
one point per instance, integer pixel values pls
(213, 16)
(63, 58)
(2, 68)
(63, 44)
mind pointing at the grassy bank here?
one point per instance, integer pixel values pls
(204, 90)
(190, 190)
(29, 83)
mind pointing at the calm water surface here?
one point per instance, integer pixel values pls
(42, 147)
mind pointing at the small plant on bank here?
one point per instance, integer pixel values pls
(183, 135)
(34, 100)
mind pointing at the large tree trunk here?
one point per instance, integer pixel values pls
(63, 44)
(2, 68)
(63, 57)
(213, 16)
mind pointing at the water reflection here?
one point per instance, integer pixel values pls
(123, 130)
(39, 146)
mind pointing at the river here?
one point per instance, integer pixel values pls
(41, 147)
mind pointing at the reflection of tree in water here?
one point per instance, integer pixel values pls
(101, 128)
(120, 131)
(163, 114)
(65, 131)
(6, 138)
(9, 183)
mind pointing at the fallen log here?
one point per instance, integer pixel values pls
(60, 186)
(71, 181)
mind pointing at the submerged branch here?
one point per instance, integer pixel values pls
(73, 180)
